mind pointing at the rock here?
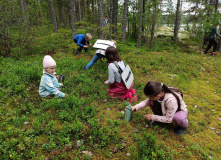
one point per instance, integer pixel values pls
(26, 122)
(128, 154)
(219, 133)
(108, 109)
(146, 126)
(122, 112)
(210, 157)
(79, 143)
(115, 150)
(195, 106)
(87, 153)
(212, 128)
(212, 110)
(105, 100)
(219, 119)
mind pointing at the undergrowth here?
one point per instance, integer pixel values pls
(88, 120)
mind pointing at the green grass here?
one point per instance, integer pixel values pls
(56, 126)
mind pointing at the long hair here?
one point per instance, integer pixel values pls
(154, 88)
(112, 55)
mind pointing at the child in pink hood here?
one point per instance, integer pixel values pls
(167, 105)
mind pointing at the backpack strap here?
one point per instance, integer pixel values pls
(118, 67)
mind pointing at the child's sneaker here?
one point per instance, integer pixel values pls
(214, 53)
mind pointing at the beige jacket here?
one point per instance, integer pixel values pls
(169, 107)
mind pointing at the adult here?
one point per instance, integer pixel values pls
(211, 39)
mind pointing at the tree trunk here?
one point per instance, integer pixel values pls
(124, 21)
(101, 18)
(110, 17)
(72, 17)
(114, 17)
(53, 16)
(177, 22)
(23, 10)
(216, 5)
(194, 21)
(140, 24)
(154, 17)
(77, 10)
(60, 12)
(134, 26)
(143, 14)
(82, 8)
(93, 12)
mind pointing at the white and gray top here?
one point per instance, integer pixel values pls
(102, 51)
(113, 73)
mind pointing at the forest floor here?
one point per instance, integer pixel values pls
(89, 125)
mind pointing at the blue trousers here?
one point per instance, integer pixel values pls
(94, 60)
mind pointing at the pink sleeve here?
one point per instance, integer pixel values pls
(171, 108)
(142, 104)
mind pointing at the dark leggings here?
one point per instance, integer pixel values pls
(80, 48)
(213, 43)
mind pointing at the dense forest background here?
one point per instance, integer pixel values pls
(20, 20)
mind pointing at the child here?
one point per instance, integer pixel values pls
(117, 87)
(99, 54)
(167, 105)
(82, 41)
(49, 83)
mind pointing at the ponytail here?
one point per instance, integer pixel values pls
(173, 90)
(154, 88)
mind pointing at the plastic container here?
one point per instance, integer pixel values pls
(61, 78)
(128, 112)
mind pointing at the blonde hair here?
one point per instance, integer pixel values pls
(88, 36)
(115, 43)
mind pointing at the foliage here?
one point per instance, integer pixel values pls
(88, 120)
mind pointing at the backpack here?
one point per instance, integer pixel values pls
(126, 74)
(103, 44)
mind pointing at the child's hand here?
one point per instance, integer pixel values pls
(60, 84)
(58, 77)
(90, 44)
(133, 108)
(105, 82)
(85, 46)
(148, 117)
(66, 95)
